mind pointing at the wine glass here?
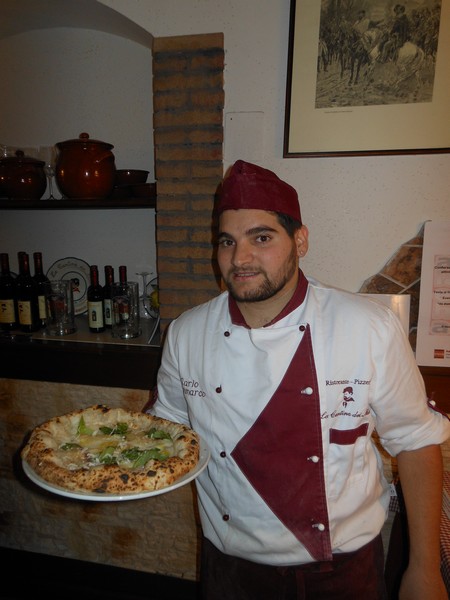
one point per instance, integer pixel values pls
(149, 301)
(49, 154)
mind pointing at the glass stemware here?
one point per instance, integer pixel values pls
(49, 155)
(149, 300)
(143, 297)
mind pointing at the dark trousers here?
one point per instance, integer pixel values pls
(351, 576)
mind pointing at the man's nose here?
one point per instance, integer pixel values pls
(242, 254)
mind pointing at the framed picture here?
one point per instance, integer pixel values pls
(368, 77)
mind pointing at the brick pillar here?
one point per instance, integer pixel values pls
(188, 100)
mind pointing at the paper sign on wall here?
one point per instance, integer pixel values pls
(433, 327)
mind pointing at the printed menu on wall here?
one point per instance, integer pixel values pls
(433, 327)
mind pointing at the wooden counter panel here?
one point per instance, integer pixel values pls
(133, 367)
(156, 535)
(437, 383)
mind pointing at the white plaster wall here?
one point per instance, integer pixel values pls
(359, 210)
(58, 83)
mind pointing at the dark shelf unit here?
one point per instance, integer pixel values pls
(108, 365)
(79, 203)
(121, 365)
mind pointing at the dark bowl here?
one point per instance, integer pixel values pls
(130, 176)
(144, 190)
(120, 192)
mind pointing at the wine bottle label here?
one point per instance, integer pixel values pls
(42, 307)
(25, 315)
(108, 311)
(95, 314)
(7, 311)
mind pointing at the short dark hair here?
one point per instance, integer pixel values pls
(288, 223)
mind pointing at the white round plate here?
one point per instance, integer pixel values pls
(201, 465)
(79, 272)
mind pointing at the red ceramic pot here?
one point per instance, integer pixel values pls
(22, 177)
(85, 168)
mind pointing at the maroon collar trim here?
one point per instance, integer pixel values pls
(296, 300)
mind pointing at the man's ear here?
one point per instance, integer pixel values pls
(301, 240)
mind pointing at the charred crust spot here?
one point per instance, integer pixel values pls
(103, 487)
(151, 473)
(194, 442)
(124, 477)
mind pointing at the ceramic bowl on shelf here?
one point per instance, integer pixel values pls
(143, 190)
(120, 192)
(22, 177)
(130, 176)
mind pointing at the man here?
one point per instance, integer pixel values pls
(293, 499)
(398, 35)
(361, 25)
(348, 396)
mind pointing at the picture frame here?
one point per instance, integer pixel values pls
(388, 97)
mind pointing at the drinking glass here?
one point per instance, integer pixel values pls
(60, 307)
(125, 309)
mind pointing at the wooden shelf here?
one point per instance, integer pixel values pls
(65, 204)
(97, 361)
(65, 361)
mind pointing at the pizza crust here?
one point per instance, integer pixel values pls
(74, 471)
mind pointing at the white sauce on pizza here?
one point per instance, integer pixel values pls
(111, 451)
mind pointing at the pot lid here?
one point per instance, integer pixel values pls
(21, 159)
(83, 140)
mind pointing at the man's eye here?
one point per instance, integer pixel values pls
(225, 243)
(263, 238)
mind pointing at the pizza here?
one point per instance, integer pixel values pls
(105, 450)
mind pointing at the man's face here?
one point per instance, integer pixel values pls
(256, 256)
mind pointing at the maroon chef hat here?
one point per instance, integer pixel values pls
(250, 186)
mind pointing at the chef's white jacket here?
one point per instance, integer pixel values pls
(312, 483)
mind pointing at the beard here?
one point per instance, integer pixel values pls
(270, 286)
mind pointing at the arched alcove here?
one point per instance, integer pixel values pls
(27, 15)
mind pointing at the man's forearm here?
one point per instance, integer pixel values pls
(421, 476)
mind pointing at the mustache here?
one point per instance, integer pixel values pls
(236, 270)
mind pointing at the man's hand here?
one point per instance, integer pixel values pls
(417, 585)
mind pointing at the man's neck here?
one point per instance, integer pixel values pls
(259, 314)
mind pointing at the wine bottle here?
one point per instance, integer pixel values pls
(123, 307)
(42, 284)
(8, 312)
(122, 274)
(107, 296)
(27, 297)
(95, 303)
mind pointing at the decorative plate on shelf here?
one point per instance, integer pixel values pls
(79, 272)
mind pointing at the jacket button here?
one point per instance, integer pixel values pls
(226, 517)
(302, 328)
(319, 526)
(307, 390)
(219, 389)
(227, 334)
(314, 459)
(223, 454)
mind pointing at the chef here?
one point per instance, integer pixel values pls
(293, 499)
